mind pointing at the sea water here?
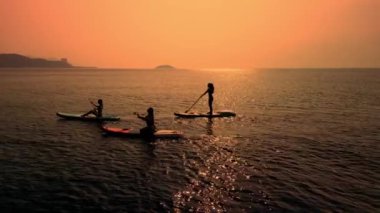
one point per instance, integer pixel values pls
(303, 140)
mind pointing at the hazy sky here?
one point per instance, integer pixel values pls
(195, 33)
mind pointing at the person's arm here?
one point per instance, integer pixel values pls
(92, 103)
(204, 93)
(141, 117)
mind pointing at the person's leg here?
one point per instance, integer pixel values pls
(94, 112)
(147, 134)
(210, 105)
(143, 131)
(89, 112)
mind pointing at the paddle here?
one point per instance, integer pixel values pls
(194, 104)
(91, 102)
(138, 115)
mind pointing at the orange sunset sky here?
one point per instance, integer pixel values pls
(196, 33)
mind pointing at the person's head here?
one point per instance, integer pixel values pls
(100, 101)
(150, 111)
(210, 85)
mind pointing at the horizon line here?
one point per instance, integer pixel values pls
(231, 69)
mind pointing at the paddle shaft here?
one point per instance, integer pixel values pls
(194, 103)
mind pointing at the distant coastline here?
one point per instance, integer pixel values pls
(165, 67)
(13, 60)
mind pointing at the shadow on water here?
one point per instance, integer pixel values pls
(149, 147)
(209, 127)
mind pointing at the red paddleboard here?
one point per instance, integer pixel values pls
(174, 134)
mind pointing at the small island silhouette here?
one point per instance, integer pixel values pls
(165, 67)
(19, 61)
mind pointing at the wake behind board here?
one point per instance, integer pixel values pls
(219, 114)
(173, 134)
(73, 116)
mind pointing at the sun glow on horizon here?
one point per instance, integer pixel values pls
(242, 34)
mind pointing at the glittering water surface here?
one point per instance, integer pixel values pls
(303, 140)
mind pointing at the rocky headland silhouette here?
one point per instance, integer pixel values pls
(13, 60)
